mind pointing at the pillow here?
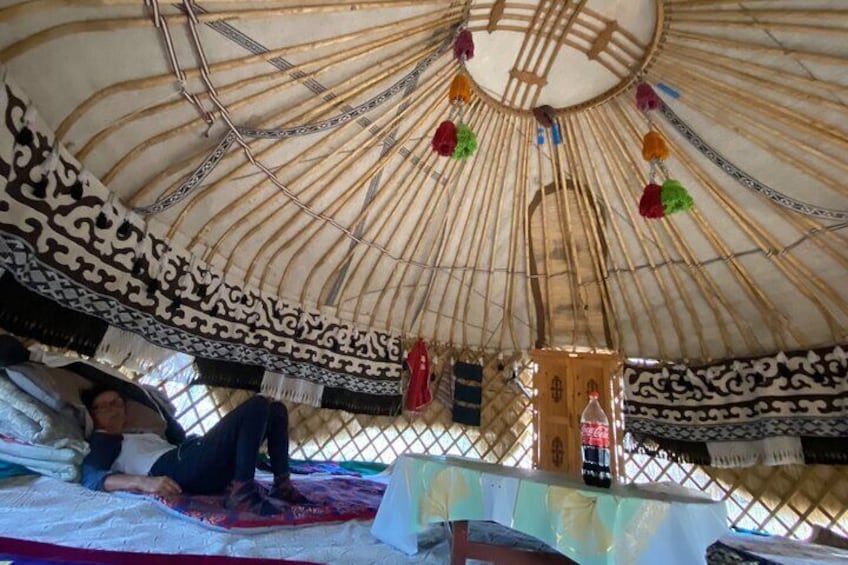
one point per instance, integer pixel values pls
(56, 388)
(60, 389)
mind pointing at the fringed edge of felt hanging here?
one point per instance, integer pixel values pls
(825, 450)
(676, 451)
(26, 313)
(120, 347)
(228, 374)
(281, 387)
(361, 403)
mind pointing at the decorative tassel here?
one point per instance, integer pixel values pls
(26, 137)
(545, 115)
(124, 230)
(463, 49)
(76, 190)
(646, 98)
(556, 135)
(654, 147)
(540, 135)
(444, 142)
(460, 89)
(675, 198)
(650, 205)
(102, 221)
(139, 266)
(466, 143)
(39, 189)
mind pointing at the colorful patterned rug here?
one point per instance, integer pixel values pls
(22, 552)
(332, 500)
(311, 467)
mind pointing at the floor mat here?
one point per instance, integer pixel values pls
(332, 500)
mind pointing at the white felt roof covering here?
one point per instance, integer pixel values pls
(391, 236)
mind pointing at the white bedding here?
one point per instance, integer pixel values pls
(51, 511)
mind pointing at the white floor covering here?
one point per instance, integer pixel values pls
(47, 510)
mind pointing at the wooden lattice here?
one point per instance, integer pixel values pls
(505, 435)
(784, 501)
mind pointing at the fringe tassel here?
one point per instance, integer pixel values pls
(361, 403)
(27, 314)
(227, 374)
(122, 348)
(280, 387)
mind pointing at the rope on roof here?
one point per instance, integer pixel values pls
(211, 161)
(744, 178)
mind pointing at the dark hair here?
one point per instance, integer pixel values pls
(12, 351)
(89, 395)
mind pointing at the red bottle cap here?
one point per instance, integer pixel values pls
(593, 394)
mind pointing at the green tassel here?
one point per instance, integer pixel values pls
(466, 142)
(675, 198)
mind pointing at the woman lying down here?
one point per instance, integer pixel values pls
(225, 456)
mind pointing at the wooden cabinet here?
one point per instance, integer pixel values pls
(563, 382)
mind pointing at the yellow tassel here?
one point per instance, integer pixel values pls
(654, 147)
(460, 89)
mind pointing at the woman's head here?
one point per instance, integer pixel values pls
(107, 408)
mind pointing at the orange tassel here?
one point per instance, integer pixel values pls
(460, 89)
(654, 147)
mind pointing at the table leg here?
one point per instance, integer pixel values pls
(462, 549)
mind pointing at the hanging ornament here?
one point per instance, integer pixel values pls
(444, 142)
(466, 142)
(675, 198)
(463, 49)
(650, 205)
(460, 90)
(671, 197)
(546, 116)
(654, 147)
(646, 99)
(456, 140)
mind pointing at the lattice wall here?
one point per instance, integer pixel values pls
(505, 435)
(780, 500)
(785, 501)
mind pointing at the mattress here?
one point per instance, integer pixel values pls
(51, 511)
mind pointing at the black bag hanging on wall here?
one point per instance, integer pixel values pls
(467, 393)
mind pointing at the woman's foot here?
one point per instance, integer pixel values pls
(245, 497)
(283, 489)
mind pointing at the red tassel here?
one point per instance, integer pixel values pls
(444, 142)
(650, 205)
(464, 46)
(646, 98)
(545, 115)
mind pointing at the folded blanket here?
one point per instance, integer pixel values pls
(60, 463)
(24, 418)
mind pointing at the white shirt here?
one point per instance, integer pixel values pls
(139, 452)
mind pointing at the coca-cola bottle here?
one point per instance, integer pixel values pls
(594, 441)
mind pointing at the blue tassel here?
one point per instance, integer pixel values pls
(556, 135)
(668, 90)
(540, 136)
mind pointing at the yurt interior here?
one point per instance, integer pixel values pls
(424, 282)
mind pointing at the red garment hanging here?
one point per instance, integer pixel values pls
(418, 396)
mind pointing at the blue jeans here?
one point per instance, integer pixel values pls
(228, 451)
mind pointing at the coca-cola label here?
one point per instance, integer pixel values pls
(596, 435)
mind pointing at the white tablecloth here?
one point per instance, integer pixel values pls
(591, 526)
